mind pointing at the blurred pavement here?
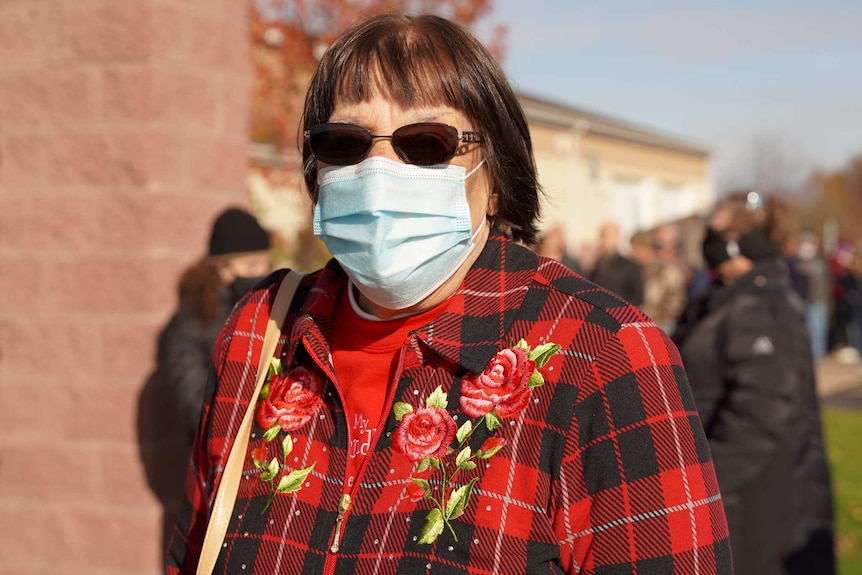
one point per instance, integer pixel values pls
(839, 380)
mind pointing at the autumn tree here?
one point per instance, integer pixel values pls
(836, 197)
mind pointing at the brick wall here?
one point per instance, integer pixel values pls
(122, 132)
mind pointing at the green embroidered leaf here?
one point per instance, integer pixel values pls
(459, 500)
(433, 527)
(264, 391)
(464, 431)
(270, 433)
(543, 353)
(271, 470)
(536, 380)
(401, 409)
(523, 343)
(426, 487)
(492, 420)
(286, 445)
(437, 399)
(463, 456)
(467, 466)
(274, 367)
(293, 480)
(426, 463)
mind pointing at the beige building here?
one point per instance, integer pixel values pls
(595, 168)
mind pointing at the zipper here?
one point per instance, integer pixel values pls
(346, 499)
(343, 506)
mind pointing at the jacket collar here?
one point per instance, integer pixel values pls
(481, 312)
(469, 331)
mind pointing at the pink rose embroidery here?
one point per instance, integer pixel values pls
(292, 400)
(503, 386)
(426, 432)
(425, 435)
(287, 401)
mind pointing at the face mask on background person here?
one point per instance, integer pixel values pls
(240, 286)
(398, 230)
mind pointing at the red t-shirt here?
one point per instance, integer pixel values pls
(365, 357)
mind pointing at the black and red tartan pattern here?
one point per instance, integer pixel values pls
(606, 472)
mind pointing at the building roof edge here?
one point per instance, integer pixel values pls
(545, 111)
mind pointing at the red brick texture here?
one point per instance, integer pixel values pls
(123, 131)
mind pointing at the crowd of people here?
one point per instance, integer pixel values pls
(651, 272)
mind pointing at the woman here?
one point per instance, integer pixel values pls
(238, 257)
(453, 402)
(745, 347)
(169, 407)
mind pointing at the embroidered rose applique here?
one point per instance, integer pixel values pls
(287, 402)
(425, 435)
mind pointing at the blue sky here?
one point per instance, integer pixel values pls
(726, 74)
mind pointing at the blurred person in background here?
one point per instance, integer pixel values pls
(615, 272)
(846, 303)
(746, 350)
(238, 258)
(447, 401)
(663, 280)
(169, 407)
(814, 284)
(552, 244)
(642, 252)
(677, 274)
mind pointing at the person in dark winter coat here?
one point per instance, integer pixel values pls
(238, 258)
(170, 404)
(745, 347)
(615, 272)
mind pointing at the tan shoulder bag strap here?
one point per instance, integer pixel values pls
(226, 495)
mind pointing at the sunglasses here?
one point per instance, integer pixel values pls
(422, 144)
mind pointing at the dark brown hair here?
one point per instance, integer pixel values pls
(200, 291)
(428, 61)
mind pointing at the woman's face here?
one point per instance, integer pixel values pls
(382, 116)
(252, 265)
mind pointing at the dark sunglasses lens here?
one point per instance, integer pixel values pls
(339, 144)
(425, 144)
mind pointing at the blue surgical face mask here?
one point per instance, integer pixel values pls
(398, 230)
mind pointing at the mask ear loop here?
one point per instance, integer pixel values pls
(474, 170)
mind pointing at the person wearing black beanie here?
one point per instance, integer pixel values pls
(236, 231)
(745, 347)
(237, 257)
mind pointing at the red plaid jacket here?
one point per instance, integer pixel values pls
(606, 471)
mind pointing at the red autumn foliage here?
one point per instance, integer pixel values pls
(288, 35)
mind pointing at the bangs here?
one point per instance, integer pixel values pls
(414, 67)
